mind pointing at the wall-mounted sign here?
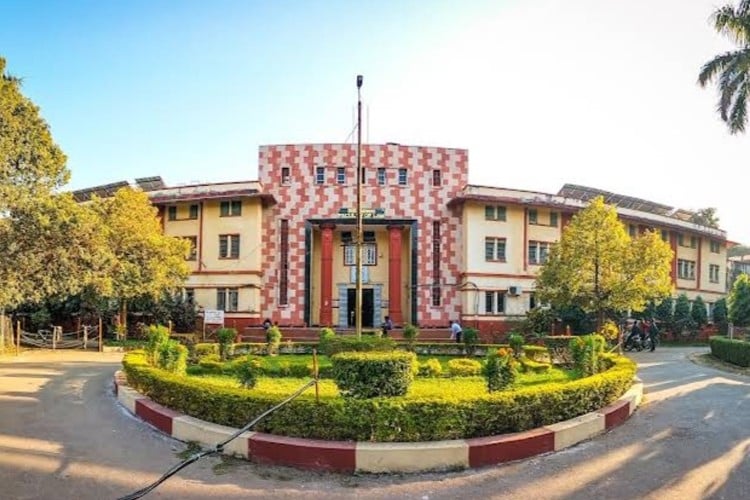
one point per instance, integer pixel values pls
(213, 317)
(367, 213)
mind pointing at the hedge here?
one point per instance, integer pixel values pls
(732, 351)
(374, 374)
(450, 416)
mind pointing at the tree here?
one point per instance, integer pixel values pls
(698, 312)
(682, 320)
(145, 261)
(51, 248)
(739, 301)
(30, 162)
(720, 315)
(731, 69)
(706, 217)
(664, 313)
(597, 267)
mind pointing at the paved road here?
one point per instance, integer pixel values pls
(62, 435)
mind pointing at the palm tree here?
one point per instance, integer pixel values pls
(732, 68)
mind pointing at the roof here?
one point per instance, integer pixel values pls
(214, 191)
(635, 210)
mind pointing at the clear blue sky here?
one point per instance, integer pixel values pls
(541, 92)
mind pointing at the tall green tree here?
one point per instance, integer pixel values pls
(53, 247)
(682, 320)
(720, 315)
(30, 161)
(664, 313)
(145, 261)
(698, 312)
(597, 267)
(739, 301)
(706, 217)
(731, 69)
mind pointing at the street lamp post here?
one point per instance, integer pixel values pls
(358, 249)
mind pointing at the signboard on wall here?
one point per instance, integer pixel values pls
(213, 317)
(367, 213)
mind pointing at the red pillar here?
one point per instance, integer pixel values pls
(394, 274)
(326, 276)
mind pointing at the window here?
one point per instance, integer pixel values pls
(285, 175)
(320, 175)
(229, 246)
(381, 176)
(346, 237)
(715, 247)
(193, 252)
(631, 230)
(553, 219)
(402, 176)
(693, 242)
(685, 269)
(189, 294)
(713, 273)
(284, 260)
(538, 252)
(436, 181)
(172, 213)
(193, 212)
(368, 236)
(436, 275)
(230, 208)
(227, 299)
(494, 302)
(532, 216)
(495, 212)
(494, 249)
(681, 240)
(369, 255)
(532, 301)
(340, 175)
(665, 235)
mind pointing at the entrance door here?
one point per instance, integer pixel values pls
(368, 307)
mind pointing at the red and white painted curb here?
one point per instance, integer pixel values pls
(349, 456)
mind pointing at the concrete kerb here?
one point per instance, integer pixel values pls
(369, 457)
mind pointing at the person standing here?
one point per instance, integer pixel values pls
(653, 333)
(387, 326)
(456, 331)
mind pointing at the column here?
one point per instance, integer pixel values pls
(326, 275)
(394, 274)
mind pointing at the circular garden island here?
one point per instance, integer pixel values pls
(375, 390)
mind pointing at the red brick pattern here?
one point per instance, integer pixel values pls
(301, 199)
(156, 414)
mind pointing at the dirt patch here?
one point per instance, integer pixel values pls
(713, 362)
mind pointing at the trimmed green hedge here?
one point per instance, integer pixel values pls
(732, 351)
(373, 374)
(450, 416)
(339, 343)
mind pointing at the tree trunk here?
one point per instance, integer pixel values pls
(124, 318)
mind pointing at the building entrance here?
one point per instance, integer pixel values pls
(368, 308)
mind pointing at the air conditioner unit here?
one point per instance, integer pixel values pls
(514, 290)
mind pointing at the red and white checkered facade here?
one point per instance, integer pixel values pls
(301, 199)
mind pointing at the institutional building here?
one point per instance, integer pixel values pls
(435, 247)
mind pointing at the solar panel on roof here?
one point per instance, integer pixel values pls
(150, 183)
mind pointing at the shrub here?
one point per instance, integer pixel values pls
(587, 353)
(158, 335)
(610, 332)
(247, 373)
(326, 333)
(339, 343)
(534, 366)
(201, 350)
(464, 367)
(411, 333)
(226, 337)
(211, 363)
(173, 357)
(434, 418)
(500, 370)
(430, 368)
(516, 343)
(732, 351)
(273, 340)
(371, 375)
(470, 339)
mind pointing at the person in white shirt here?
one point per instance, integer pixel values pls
(456, 331)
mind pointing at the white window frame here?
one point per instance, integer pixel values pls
(320, 175)
(496, 301)
(538, 252)
(685, 269)
(369, 254)
(714, 273)
(497, 243)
